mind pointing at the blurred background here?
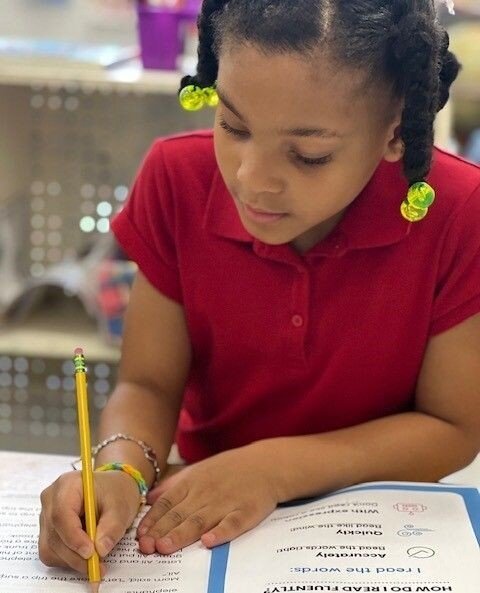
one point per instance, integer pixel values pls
(85, 87)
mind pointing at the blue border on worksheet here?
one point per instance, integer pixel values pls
(471, 497)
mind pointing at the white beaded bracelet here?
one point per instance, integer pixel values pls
(148, 451)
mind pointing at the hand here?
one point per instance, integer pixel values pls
(63, 541)
(214, 500)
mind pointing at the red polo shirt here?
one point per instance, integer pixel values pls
(289, 344)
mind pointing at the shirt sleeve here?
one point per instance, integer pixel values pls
(458, 290)
(145, 228)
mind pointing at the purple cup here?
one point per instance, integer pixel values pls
(158, 32)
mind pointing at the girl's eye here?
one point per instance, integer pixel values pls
(310, 162)
(313, 162)
(239, 133)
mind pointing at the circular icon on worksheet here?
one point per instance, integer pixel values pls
(420, 552)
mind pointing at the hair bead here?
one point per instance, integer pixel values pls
(191, 98)
(194, 98)
(420, 197)
(211, 96)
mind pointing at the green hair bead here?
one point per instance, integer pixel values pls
(421, 195)
(192, 98)
(211, 96)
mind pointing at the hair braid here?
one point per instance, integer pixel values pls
(449, 71)
(398, 41)
(418, 52)
(207, 67)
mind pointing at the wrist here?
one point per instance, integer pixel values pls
(273, 465)
(131, 471)
(129, 452)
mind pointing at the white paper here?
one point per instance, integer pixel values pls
(383, 538)
(22, 477)
(364, 540)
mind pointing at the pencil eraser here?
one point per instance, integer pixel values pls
(78, 352)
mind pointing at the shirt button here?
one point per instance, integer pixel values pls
(297, 320)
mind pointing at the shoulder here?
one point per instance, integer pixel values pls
(455, 216)
(185, 157)
(175, 180)
(456, 182)
(456, 211)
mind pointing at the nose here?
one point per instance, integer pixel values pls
(256, 173)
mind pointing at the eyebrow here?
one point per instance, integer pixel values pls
(303, 132)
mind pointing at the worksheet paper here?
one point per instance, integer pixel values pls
(387, 537)
(371, 538)
(128, 571)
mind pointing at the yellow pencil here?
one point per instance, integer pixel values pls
(93, 563)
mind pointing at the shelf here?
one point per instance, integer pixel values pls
(55, 332)
(130, 77)
(466, 91)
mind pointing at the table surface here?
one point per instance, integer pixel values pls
(469, 476)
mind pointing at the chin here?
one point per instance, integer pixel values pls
(267, 238)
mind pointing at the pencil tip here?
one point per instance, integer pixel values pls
(95, 587)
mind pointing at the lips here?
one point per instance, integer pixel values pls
(260, 211)
(262, 216)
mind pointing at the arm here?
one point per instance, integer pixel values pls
(153, 370)
(145, 404)
(221, 497)
(439, 437)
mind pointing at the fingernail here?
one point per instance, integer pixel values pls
(165, 542)
(209, 539)
(85, 552)
(147, 545)
(104, 546)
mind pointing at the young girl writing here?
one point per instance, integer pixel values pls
(306, 312)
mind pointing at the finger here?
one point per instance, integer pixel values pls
(65, 558)
(53, 552)
(164, 524)
(163, 505)
(187, 532)
(49, 557)
(169, 479)
(233, 525)
(112, 525)
(66, 509)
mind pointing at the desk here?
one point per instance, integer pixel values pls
(255, 560)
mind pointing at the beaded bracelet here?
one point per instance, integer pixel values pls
(131, 471)
(148, 451)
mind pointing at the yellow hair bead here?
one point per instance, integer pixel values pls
(211, 96)
(192, 98)
(412, 213)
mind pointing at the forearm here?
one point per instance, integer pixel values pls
(139, 412)
(410, 446)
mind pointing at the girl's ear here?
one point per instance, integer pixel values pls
(395, 148)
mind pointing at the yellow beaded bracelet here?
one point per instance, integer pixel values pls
(131, 471)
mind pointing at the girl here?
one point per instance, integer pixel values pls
(304, 318)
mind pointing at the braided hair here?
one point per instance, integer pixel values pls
(397, 41)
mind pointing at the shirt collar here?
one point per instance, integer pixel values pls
(372, 220)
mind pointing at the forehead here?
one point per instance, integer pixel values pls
(293, 89)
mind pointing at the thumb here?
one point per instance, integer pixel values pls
(111, 527)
